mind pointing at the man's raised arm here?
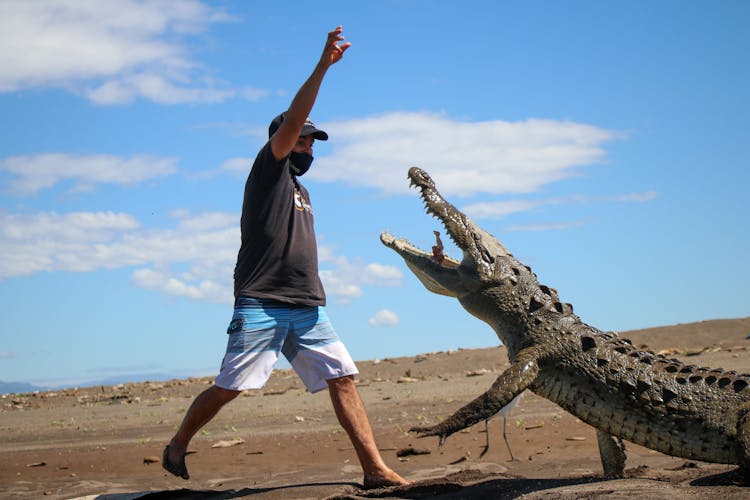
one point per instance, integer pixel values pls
(286, 136)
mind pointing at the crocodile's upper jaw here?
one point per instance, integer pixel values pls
(450, 277)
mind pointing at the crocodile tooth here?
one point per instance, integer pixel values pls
(656, 398)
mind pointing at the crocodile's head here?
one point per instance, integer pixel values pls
(480, 266)
(488, 282)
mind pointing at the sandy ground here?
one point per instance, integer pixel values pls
(282, 442)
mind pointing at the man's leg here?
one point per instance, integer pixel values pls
(352, 416)
(205, 407)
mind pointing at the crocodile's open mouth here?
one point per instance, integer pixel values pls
(432, 199)
(441, 274)
(432, 268)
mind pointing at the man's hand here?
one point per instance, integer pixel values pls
(333, 51)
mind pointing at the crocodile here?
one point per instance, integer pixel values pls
(625, 393)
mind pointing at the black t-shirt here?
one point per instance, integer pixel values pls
(278, 258)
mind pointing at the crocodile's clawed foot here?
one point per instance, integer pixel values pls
(431, 431)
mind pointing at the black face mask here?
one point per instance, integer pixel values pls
(299, 163)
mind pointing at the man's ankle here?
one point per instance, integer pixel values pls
(176, 448)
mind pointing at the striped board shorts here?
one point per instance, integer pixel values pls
(261, 329)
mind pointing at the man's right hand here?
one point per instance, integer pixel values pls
(333, 51)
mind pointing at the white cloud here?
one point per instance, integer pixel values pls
(112, 52)
(203, 290)
(49, 241)
(637, 197)
(463, 157)
(384, 318)
(237, 166)
(499, 209)
(34, 173)
(552, 226)
(345, 279)
(194, 259)
(156, 88)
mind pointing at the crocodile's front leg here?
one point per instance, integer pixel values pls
(507, 386)
(612, 454)
(743, 430)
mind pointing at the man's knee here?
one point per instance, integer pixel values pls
(224, 395)
(341, 382)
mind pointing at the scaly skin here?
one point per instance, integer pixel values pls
(662, 404)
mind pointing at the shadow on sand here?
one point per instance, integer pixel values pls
(189, 494)
(464, 485)
(447, 488)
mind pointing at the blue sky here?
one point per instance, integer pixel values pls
(606, 144)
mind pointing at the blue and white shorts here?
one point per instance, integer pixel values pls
(261, 329)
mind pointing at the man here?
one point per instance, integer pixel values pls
(279, 298)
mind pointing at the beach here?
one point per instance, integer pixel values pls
(283, 442)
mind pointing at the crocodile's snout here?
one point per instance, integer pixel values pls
(420, 178)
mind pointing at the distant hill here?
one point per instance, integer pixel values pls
(19, 387)
(125, 379)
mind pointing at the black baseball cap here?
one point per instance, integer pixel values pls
(307, 129)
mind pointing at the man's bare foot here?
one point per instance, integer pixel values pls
(388, 478)
(174, 462)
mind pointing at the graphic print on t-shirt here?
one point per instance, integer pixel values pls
(300, 203)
